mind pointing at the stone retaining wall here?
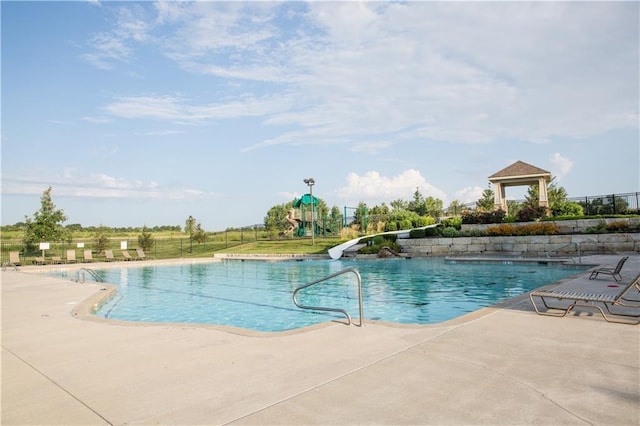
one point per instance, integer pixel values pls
(535, 245)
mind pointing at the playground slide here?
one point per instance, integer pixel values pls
(337, 251)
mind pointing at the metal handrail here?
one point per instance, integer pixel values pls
(91, 272)
(576, 244)
(320, 308)
(5, 265)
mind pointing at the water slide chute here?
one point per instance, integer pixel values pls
(337, 251)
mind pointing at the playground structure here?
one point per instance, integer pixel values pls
(303, 217)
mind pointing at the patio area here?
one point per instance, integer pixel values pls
(499, 365)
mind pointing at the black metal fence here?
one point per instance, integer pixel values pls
(609, 204)
(593, 205)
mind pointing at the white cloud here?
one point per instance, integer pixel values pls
(97, 186)
(177, 109)
(561, 165)
(370, 147)
(97, 120)
(469, 194)
(374, 188)
(442, 71)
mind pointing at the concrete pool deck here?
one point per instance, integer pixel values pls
(502, 365)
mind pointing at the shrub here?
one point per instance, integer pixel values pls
(375, 244)
(453, 222)
(473, 217)
(417, 233)
(450, 232)
(423, 221)
(618, 226)
(601, 228)
(431, 232)
(541, 229)
(567, 208)
(473, 233)
(503, 229)
(507, 229)
(406, 224)
(531, 213)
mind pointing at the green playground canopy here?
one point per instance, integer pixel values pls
(306, 200)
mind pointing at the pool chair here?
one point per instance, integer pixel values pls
(88, 256)
(141, 255)
(626, 308)
(71, 256)
(126, 255)
(14, 258)
(38, 260)
(614, 272)
(56, 260)
(108, 254)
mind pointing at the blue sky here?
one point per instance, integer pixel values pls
(145, 113)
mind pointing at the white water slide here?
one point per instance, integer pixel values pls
(337, 251)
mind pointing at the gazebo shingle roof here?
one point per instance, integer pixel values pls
(519, 168)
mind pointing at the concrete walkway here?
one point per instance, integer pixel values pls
(502, 365)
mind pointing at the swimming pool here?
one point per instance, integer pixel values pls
(257, 294)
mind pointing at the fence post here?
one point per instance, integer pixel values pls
(613, 201)
(586, 204)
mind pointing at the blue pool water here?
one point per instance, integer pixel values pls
(257, 295)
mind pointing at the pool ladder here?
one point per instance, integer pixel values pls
(320, 308)
(81, 274)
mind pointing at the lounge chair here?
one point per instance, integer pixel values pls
(88, 256)
(141, 255)
(56, 260)
(108, 254)
(14, 258)
(614, 272)
(126, 255)
(71, 256)
(38, 260)
(593, 300)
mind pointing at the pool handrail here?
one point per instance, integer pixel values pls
(81, 272)
(320, 308)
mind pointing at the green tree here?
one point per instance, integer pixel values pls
(486, 202)
(146, 239)
(336, 218)
(276, 219)
(399, 204)
(199, 235)
(417, 205)
(101, 238)
(555, 194)
(455, 208)
(433, 207)
(46, 224)
(190, 228)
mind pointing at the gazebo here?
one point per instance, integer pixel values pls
(519, 174)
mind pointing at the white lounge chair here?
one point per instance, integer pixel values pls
(71, 256)
(88, 256)
(108, 254)
(141, 255)
(593, 300)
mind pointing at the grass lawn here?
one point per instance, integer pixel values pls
(293, 246)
